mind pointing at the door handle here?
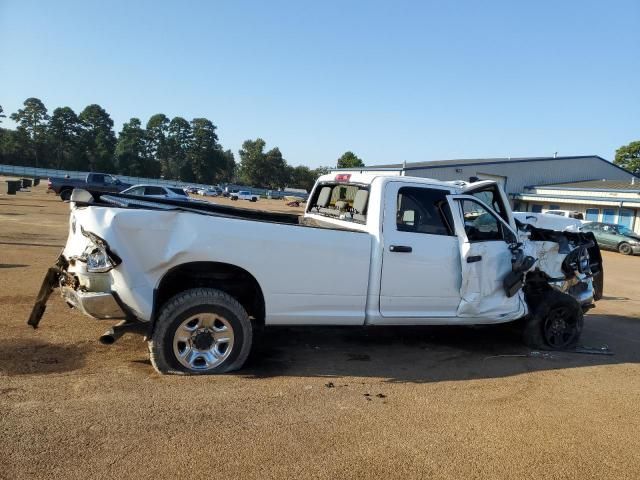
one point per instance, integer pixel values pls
(475, 258)
(400, 249)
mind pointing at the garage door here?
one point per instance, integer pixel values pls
(625, 217)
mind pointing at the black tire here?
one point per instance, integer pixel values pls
(65, 195)
(254, 199)
(555, 322)
(234, 198)
(598, 286)
(625, 249)
(186, 305)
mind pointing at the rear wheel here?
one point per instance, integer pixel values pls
(555, 323)
(65, 194)
(625, 249)
(201, 331)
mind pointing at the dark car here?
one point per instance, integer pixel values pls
(99, 182)
(614, 237)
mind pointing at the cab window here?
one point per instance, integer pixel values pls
(480, 225)
(154, 191)
(491, 196)
(135, 191)
(345, 201)
(423, 210)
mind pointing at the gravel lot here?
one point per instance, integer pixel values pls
(315, 402)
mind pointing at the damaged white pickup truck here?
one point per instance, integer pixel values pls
(197, 280)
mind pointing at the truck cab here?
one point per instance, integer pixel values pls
(443, 247)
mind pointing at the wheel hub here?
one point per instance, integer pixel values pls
(559, 329)
(203, 340)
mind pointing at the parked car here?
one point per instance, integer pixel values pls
(565, 213)
(244, 195)
(228, 191)
(157, 191)
(207, 192)
(615, 237)
(99, 182)
(371, 249)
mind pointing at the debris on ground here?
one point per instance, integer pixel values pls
(603, 350)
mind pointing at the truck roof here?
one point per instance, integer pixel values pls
(359, 176)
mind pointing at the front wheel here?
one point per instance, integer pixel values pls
(625, 249)
(555, 322)
(201, 331)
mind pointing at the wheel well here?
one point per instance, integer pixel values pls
(231, 279)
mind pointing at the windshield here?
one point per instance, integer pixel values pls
(624, 230)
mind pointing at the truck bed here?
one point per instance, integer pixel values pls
(132, 201)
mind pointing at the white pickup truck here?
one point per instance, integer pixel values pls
(197, 280)
(244, 195)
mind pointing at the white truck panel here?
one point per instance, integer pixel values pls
(316, 274)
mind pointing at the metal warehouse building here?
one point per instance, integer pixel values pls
(546, 183)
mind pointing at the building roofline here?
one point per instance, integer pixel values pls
(457, 163)
(576, 197)
(473, 161)
(585, 189)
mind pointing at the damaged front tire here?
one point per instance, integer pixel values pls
(555, 322)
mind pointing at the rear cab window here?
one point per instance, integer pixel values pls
(344, 201)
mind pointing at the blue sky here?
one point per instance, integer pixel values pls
(392, 81)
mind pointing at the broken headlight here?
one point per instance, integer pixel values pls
(97, 255)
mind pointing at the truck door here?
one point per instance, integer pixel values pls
(96, 181)
(420, 261)
(484, 239)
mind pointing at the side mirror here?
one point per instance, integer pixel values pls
(509, 236)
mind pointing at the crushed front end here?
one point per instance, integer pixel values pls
(569, 262)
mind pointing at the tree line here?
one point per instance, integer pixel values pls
(171, 148)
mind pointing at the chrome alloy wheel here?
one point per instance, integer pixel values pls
(203, 341)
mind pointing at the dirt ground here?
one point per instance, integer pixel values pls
(312, 403)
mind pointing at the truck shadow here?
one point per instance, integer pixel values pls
(430, 354)
(27, 357)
